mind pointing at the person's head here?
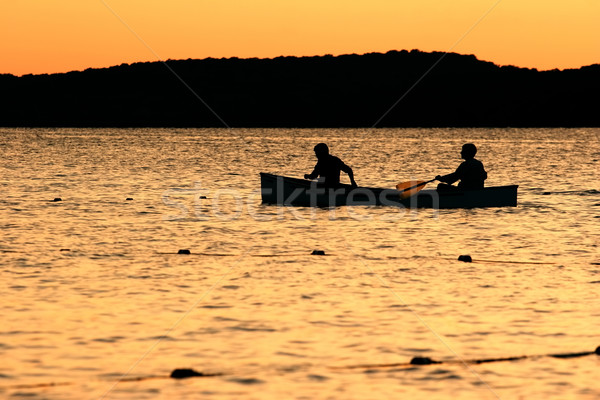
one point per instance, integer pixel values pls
(321, 150)
(468, 151)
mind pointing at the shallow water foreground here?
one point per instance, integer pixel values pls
(95, 294)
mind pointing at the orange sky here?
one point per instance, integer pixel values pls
(43, 36)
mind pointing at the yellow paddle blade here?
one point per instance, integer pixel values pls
(410, 188)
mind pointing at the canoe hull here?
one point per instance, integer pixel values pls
(303, 193)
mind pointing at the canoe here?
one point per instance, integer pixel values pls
(304, 193)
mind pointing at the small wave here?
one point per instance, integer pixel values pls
(251, 329)
(589, 192)
(215, 306)
(340, 325)
(283, 353)
(112, 339)
(318, 378)
(246, 381)
(162, 338)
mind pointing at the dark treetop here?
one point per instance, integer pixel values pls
(326, 91)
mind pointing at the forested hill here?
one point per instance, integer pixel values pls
(324, 91)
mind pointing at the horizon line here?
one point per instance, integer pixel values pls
(286, 56)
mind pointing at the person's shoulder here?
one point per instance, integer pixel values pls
(472, 161)
(476, 165)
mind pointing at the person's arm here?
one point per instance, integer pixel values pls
(314, 174)
(450, 178)
(454, 176)
(350, 173)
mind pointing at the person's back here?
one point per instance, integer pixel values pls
(328, 167)
(472, 175)
(470, 172)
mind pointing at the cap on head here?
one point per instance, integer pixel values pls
(468, 150)
(321, 149)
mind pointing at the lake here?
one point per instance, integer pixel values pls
(97, 304)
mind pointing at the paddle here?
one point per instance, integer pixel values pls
(410, 188)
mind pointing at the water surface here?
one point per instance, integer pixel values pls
(251, 303)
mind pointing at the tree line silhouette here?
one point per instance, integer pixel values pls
(321, 91)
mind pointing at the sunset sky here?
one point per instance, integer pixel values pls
(41, 36)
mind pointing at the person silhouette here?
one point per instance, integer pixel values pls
(470, 172)
(328, 168)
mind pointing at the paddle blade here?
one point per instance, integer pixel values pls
(410, 188)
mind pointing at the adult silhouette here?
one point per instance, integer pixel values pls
(328, 167)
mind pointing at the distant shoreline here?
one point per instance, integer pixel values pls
(280, 57)
(371, 90)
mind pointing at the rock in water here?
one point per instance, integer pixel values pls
(423, 361)
(182, 373)
(318, 253)
(465, 258)
(184, 251)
